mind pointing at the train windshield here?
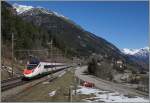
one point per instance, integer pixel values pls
(31, 66)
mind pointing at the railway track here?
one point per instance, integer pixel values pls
(11, 83)
(14, 78)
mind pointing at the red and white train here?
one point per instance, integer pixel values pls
(37, 69)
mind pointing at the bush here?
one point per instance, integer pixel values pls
(92, 66)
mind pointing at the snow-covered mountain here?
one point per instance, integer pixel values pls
(24, 8)
(21, 8)
(143, 52)
(140, 56)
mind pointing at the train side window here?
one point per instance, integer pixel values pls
(44, 66)
(48, 66)
(51, 66)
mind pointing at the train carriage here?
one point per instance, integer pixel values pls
(35, 69)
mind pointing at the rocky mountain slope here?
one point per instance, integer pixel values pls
(74, 39)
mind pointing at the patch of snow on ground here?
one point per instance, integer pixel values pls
(52, 93)
(85, 90)
(45, 83)
(7, 68)
(77, 68)
(108, 96)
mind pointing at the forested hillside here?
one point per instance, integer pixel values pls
(26, 35)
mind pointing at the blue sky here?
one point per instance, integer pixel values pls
(125, 24)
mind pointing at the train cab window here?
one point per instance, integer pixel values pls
(31, 66)
(39, 65)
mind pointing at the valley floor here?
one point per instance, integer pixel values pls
(107, 85)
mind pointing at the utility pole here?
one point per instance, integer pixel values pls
(51, 47)
(70, 93)
(75, 83)
(51, 50)
(12, 52)
(65, 54)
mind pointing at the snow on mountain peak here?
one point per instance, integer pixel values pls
(130, 51)
(146, 48)
(21, 8)
(24, 8)
(135, 51)
(59, 15)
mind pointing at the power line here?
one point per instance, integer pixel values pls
(22, 50)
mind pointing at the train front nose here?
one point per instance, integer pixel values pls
(26, 71)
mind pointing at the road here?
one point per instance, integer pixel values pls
(107, 85)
